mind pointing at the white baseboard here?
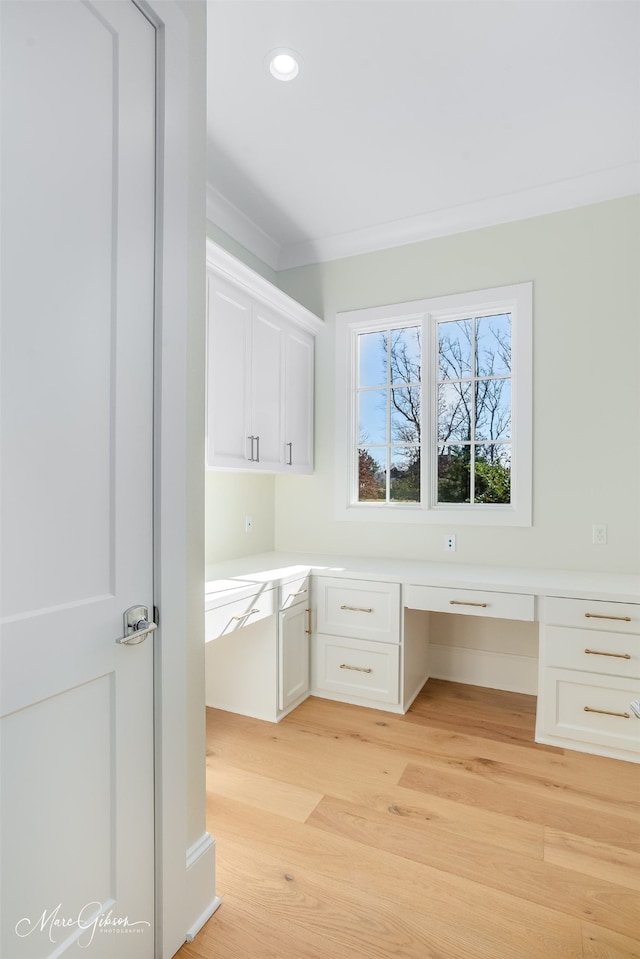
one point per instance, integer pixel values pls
(479, 667)
(201, 883)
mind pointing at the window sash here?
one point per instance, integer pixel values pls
(428, 315)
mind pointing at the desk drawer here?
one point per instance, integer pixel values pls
(594, 651)
(580, 707)
(358, 608)
(356, 668)
(588, 614)
(294, 593)
(222, 620)
(471, 602)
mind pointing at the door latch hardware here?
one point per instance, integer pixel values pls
(136, 626)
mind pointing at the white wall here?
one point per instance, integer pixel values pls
(584, 267)
(229, 499)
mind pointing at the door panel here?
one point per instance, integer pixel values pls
(299, 401)
(78, 186)
(229, 357)
(267, 386)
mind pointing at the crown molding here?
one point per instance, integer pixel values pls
(238, 225)
(555, 197)
(225, 264)
(550, 198)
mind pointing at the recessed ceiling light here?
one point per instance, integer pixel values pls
(283, 64)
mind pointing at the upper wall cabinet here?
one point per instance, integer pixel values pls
(260, 360)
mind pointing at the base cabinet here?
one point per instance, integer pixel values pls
(257, 652)
(589, 672)
(366, 642)
(356, 650)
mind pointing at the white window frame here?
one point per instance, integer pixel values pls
(516, 300)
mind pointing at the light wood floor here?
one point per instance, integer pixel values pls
(349, 833)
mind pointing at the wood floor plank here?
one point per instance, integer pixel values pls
(593, 858)
(263, 792)
(508, 717)
(599, 943)
(611, 905)
(446, 815)
(352, 833)
(595, 774)
(365, 881)
(504, 790)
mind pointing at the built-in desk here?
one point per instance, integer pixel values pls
(362, 634)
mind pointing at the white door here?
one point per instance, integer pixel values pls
(78, 159)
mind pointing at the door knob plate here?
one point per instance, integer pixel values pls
(136, 626)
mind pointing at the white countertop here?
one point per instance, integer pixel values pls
(279, 568)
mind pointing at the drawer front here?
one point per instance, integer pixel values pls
(592, 651)
(295, 592)
(577, 706)
(358, 608)
(356, 668)
(587, 614)
(223, 620)
(471, 602)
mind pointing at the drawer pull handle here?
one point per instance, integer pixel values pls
(308, 629)
(597, 652)
(606, 712)
(460, 602)
(300, 592)
(357, 669)
(620, 619)
(244, 615)
(358, 609)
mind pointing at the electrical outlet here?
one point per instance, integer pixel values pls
(248, 524)
(599, 534)
(450, 543)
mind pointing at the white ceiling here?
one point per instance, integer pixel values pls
(415, 118)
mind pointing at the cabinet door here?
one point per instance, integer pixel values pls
(228, 383)
(298, 402)
(267, 387)
(293, 656)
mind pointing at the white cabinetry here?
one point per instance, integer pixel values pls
(356, 650)
(260, 361)
(257, 663)
(293, 645)
(298, 401)
(589, 673)
(293, 656)
(470, 602)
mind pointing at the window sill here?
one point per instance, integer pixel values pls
(490, 516)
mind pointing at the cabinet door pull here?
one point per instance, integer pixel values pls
(597, 652)
(606, 712)
(244, 615)
(357, 669)
(290, 459)
(620, 619)
(250, 457)
(358, 609)
(460, 602)
(257, 449)
(308, 629)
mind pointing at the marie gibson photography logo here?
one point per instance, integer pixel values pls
(90, 919)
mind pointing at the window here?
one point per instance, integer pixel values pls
(434, 410)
